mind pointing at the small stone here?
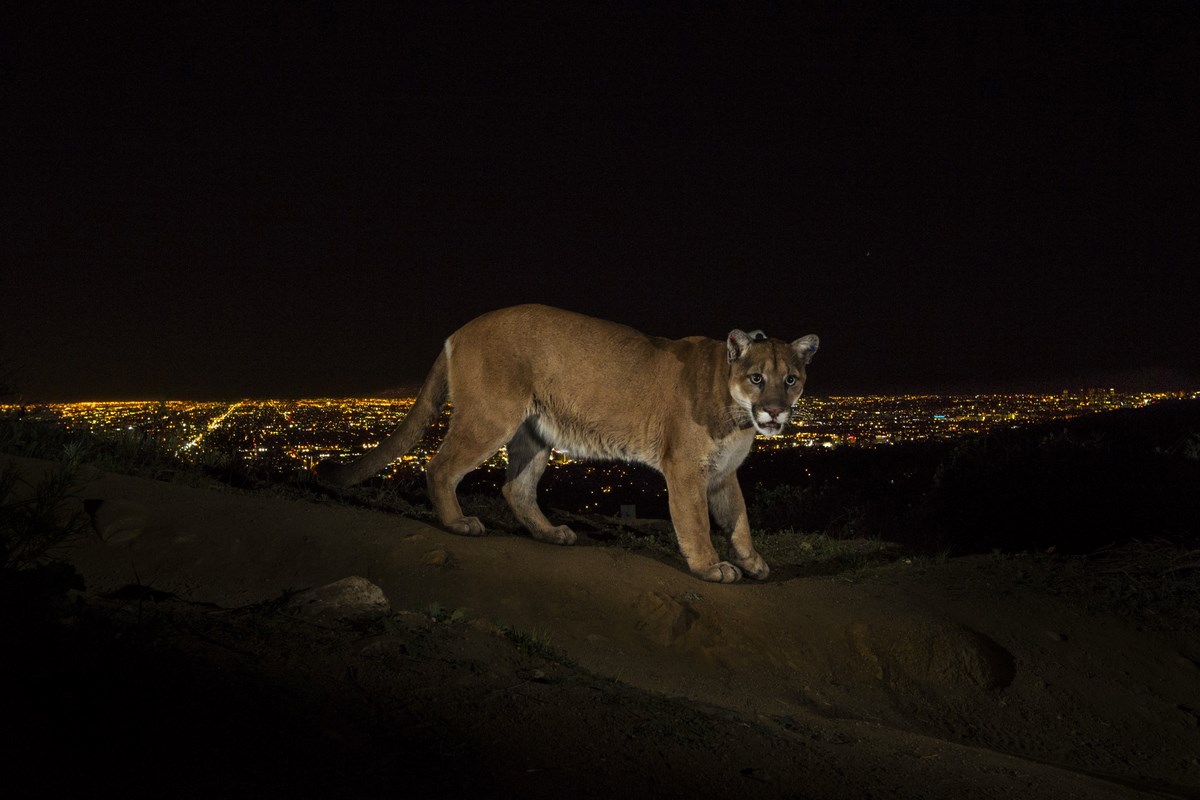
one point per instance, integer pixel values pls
(350, 599)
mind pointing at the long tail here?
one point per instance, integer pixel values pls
(428, 405)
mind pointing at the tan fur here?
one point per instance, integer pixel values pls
(533, 377)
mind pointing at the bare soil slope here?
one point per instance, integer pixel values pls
(501, 665)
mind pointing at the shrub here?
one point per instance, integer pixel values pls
(37, 518)
(777, 508)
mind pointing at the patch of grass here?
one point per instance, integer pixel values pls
(790, 551)
(536, 643)
(777, 507)
(658, 542)
(391, 496)
(439, 613)
(1146, 579)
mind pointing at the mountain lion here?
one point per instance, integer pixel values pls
(534, 377)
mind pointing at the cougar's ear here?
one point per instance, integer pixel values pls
(806, 346)
(737, 341)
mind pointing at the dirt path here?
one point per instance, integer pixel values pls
(915, 680)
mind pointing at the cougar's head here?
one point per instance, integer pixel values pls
(766, 376)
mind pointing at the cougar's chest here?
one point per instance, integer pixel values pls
(728, 454)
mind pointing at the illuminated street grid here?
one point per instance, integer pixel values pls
(293, 435)
(885, 420)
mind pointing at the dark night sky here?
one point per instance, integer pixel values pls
(304, 201)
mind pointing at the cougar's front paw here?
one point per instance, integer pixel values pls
(754, 567)
(466, 526)
(721, 572)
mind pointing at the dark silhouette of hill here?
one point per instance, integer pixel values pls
(1076, 486)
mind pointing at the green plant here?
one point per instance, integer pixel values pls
(36, 518)
(440, 613)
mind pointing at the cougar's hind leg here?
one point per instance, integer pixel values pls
(476, 433)
(527, 456)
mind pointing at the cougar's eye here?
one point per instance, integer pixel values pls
(790, 380)
(756, 378)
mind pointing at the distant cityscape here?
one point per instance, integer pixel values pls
(287, 436)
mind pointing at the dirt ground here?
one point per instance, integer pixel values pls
(205, 657)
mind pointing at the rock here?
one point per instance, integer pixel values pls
(352, 599)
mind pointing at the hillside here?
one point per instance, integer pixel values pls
(197, 660)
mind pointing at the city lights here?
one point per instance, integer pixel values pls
(288, 436)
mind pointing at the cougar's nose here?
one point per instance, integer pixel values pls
(774, 411)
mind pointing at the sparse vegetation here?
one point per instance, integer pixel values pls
(37, 517)
(439, 613)
(778, 507)
(656, 540)
(1152, 580)
(536, 643)
(392, 496)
